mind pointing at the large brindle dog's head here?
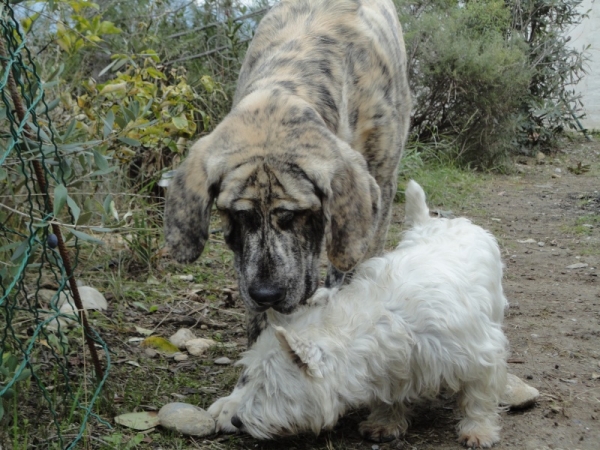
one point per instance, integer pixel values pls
(282, 182)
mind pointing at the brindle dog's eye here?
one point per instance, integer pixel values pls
(247, 218)
(240, 214)
(285, 217)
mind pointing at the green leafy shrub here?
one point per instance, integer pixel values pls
(552, 105)
(145, 116)
(468, 78)
(495, 77)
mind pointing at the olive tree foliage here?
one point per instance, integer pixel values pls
(491, 77)
(552, 105)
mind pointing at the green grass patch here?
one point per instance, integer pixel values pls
(584, 225)
(446, 185)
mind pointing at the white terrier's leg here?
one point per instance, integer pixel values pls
(385, 423)
(478, 402)
(224, 409)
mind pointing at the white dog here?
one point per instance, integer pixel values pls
(422, 318)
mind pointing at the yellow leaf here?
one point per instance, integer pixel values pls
(110, 88)
(208, 83)
(160, 344)
(82, 101)
(180, 122)
(155, 73)
(139, 421)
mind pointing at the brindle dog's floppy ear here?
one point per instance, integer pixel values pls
(351, 205)
(189, 201)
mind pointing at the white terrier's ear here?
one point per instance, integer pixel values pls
(305, 354)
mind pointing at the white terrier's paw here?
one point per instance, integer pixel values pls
(222, 411)
(379, 432)
(478, 437)
(321, 296)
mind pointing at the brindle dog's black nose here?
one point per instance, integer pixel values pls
(266, 295)
(236, 422)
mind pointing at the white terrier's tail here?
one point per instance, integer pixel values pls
(416, 210)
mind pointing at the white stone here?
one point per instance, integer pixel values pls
(181, 337)
(186, 277)
(223, 361)
(186, 419)
(180, 357)
(199, 346)
(91, 298)
(69, 318)
(50, 297)
(518, 394)
(526, 241)
(577, 266)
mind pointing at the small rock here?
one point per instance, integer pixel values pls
(208, 390)
(185, 277)
(63, 322)
(577, 266)
(186, 419)
(199, 346)
(541, 244)
(540, 156)
(588, 225)
(181, 337)
(527, 241)
(595, 376)
(518, 394)
(150, 352)
(91, 298)
(180, 357)
(48, 295)
(223, 361)
(557, 170)
(496, 219)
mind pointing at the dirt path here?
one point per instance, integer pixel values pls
(554, 321)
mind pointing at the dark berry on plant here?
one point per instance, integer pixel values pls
(52, 241)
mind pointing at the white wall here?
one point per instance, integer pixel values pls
(588, 33)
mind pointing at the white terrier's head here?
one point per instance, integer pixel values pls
(285, 390)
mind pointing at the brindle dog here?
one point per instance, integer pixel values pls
(308, 154)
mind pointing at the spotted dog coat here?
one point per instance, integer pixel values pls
(308, 154)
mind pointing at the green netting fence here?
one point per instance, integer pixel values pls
(46, 401)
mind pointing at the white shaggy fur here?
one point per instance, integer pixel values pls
(422, 318)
